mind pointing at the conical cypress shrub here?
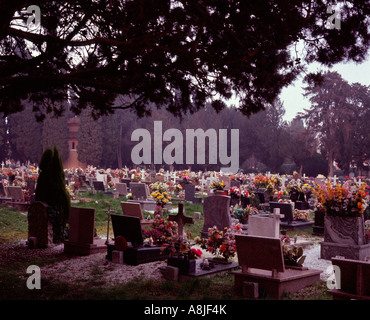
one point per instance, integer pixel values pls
(51, 190)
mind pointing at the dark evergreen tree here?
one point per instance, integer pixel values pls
(51, 190)
(148, 49)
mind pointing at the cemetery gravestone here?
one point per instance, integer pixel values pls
(81, 233)
(216, 211)
(344, 236)
(190, 193)
(135, 253)
(98, 185)
(91, 179)
(262, 262)
(121, 189)
(287, 221)
(235, 183)
(2, 190)
(40, 230)
(181, 220)
(226, 180)
(265, 226)
(31, 185)
(133, 209)
(139, 191)
(16, 193)
(127, 181)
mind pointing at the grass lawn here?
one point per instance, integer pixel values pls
(16, 257)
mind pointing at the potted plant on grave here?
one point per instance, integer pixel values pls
(182, 255)
(242, 214)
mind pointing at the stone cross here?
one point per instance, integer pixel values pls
(181, 220)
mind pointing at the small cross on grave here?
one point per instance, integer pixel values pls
(181, 220)
(203, 181)
(167, 175)
(108, 212)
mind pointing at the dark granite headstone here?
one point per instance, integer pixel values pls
(98, 185)
(216, 211)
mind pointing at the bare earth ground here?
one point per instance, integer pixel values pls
(96, 266)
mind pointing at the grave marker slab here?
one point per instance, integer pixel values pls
(39, 226)
(135, 253)
(265, 226)
(16, 193)
(98, 185)
(81, 233)
(216, 209)
(262, 262)
(133, 209)
(190, 193)
(139, 191)
(121, 188)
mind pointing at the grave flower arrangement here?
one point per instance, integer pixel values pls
(242, 214)
(19, 183)
(181, 249)
(294, 186)
(162, 230)
(220, 243)
(301, 214)
(235, 193)
(284, 239)
(261, 181)
(342, 200)
(159, 193)
(185, 178)
(218, 185)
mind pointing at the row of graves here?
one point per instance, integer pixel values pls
(245, 221)
(18, 185)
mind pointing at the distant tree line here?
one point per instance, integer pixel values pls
(334, 128)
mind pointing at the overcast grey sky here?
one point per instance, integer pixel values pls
(292, 96)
